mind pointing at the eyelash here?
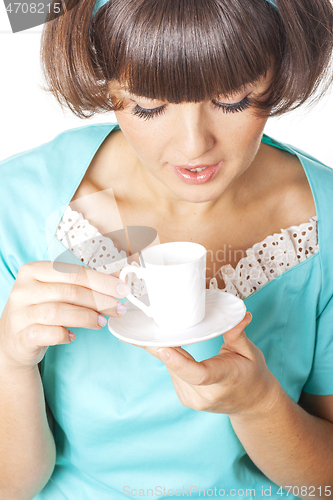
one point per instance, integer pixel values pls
(146, 114)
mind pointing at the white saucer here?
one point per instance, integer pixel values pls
(223, 312)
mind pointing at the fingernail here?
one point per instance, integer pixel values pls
(164, 355)
(71, 336)
(123, 289)
(101, 320)
(121, 309)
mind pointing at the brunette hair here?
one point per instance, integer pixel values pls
(188, 51)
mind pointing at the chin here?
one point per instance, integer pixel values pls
(200, 196)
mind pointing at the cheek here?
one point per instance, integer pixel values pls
(249, 125)
(248, 131)
(243, 142)
(145, 139)
(130, 128)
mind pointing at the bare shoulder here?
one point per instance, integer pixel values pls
(292, 198)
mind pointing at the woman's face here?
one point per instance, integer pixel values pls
(169, 139)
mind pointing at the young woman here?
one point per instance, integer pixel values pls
(192, 85)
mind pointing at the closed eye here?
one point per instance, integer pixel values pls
(147, 114)
(235, 107)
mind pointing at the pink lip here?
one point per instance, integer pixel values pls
(196, 177)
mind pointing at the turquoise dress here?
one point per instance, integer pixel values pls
(119, 428)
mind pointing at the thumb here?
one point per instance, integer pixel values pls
(236, 339)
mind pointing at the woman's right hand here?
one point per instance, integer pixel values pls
(44, 299)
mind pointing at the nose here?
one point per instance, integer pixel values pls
(192, 135)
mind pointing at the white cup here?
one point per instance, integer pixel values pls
(175, 278)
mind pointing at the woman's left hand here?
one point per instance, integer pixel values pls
(236, 381)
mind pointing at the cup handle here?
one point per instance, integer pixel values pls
(140, 272)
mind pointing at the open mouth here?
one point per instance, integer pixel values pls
(197, 169)
(197, 175)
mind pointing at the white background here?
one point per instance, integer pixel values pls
(30, 117)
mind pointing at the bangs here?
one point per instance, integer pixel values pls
(186, 51)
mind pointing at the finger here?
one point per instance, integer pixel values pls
(76, 295)
(185, 367)
(37, 335)
(182, 365)
(58, 314)
(206, 372)
(154, 351)
(116, 274)
(47, 271)
(185, 353)
(236, 339)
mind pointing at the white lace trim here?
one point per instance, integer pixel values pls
(94, 249)
(263, 262)
(270, 258)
